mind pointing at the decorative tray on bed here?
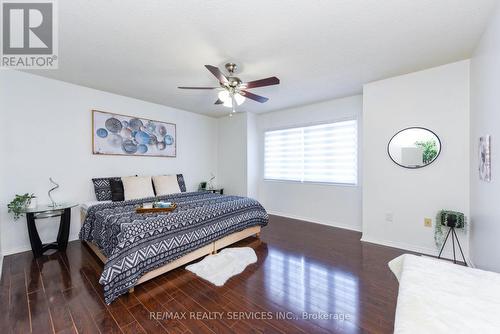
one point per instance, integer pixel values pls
(149, 208)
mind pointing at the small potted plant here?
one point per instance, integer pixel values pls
(447, 218)
(19, 204)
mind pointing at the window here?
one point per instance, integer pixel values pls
(319, 153)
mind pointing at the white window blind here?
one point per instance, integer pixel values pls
(319, 153)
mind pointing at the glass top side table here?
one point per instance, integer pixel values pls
(62, 210)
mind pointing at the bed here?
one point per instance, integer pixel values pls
(138, 247)
(441, 297)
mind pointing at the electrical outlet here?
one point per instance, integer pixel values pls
(427, 222)
(389, 217)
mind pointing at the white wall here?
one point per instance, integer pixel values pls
(252, 156)
(485, 119)
(47, 132)
(238, 154)
(232, 154)
(333, 205)
(437, 98)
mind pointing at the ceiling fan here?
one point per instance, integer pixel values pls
(234, 91)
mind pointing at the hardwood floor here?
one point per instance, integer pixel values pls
(302, 267)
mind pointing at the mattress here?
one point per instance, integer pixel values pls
(86, 205)
(138, 243)
(441, 297)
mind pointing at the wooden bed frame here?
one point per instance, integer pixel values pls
(211, 248)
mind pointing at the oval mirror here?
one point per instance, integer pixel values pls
(414, 147)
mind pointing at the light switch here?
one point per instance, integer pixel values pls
(427, 222)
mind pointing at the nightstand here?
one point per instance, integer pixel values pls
(43, 212)
(215, 191)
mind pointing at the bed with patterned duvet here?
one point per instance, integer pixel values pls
(135, 244)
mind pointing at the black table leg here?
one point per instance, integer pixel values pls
(63, 234)
(36, 243)
(444, 243)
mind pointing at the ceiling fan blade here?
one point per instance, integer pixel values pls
(198, 87)
(219, 101)
(253, 96)
(262, 82)
(217, 73)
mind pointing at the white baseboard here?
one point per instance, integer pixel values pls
(312, 220)
(447, 254)
(25, 248)
(470, 262)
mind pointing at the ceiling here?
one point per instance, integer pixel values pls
(320, 49)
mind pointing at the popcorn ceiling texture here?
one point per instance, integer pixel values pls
(319, 49)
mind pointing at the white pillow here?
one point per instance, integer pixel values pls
(166, 184)
(135, 187)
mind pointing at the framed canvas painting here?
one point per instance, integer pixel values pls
(115, 134)
(485, 158)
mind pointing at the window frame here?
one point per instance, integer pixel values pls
(303, 125)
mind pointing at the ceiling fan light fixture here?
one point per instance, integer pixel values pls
(234, 91)
(225, 97)
(239, 99)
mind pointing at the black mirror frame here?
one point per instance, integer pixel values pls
(414, 127)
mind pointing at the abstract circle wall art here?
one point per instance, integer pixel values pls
(102, 133)
(169, 140)
(115, 134)
(113, 125)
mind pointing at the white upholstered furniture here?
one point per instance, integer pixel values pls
(441, 297)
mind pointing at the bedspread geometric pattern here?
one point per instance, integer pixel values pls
(138, 243)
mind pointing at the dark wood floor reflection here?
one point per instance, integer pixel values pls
(319, 279)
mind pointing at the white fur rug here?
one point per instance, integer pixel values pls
(218, 268)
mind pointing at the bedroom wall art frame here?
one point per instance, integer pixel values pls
(485, 158)
(117, 134)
